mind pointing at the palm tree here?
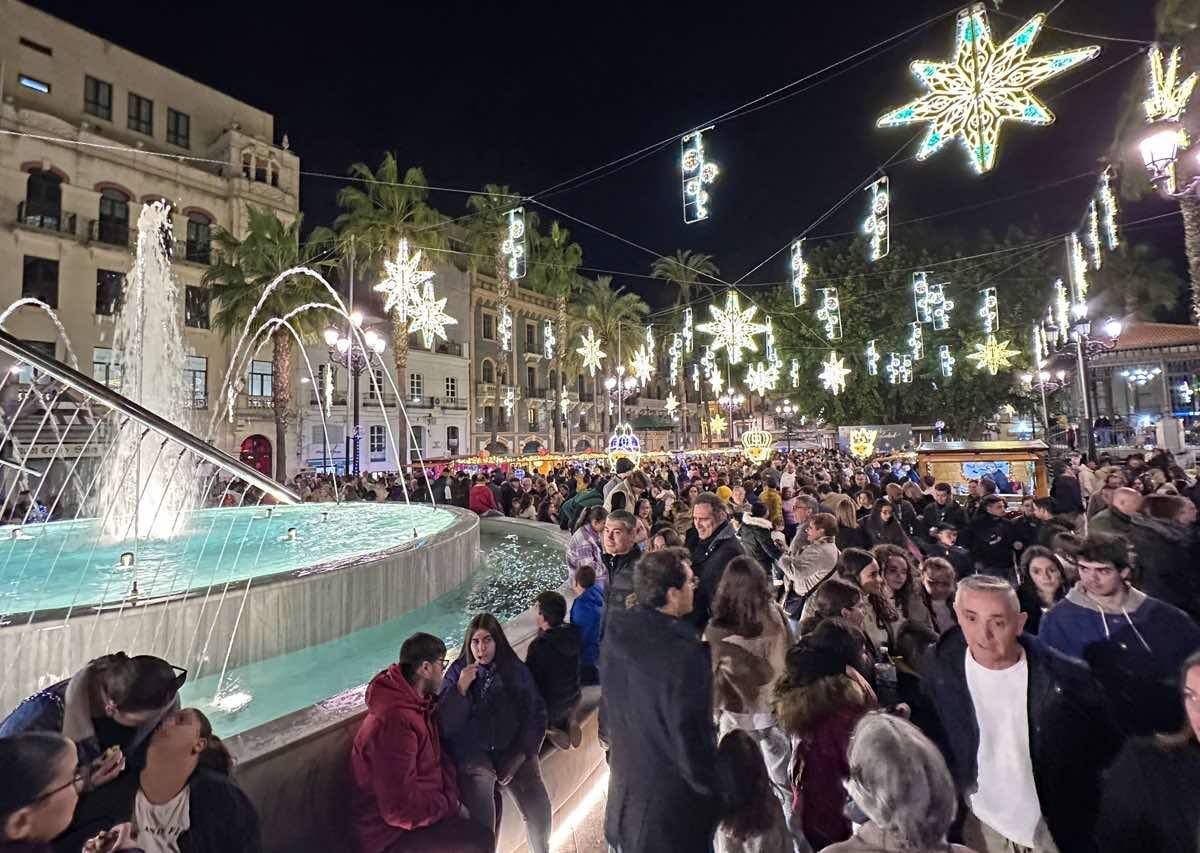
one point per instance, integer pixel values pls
(486, 230)
(377, 213)
(616, 317)
(241, 272)
(685, 271)
(1134, 283)
(554, 274)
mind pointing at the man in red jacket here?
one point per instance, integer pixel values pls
(405, 796)
(480, 499)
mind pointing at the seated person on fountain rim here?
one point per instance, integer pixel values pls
(553, 659)
(109, 708)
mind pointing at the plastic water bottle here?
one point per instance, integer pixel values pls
(886, 682)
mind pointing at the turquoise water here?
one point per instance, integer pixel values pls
(60, 564)
(513, 570)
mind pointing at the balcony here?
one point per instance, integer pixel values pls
(411, 402)
(54, 221)
(110, 233)
(373, 398)
(453, 403)
(441, 347)
(537, 394)
(339, 399)
(256, 401)
(197, 401)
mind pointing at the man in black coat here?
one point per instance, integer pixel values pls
(1065, 490)
(715, 545)
(991, 539)
(1026, 731)
(943, 509)
(945, 539)
(620, 554)
(656, 681)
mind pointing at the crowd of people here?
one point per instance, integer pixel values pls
(808, 654)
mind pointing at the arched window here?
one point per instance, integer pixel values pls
(113, 225)
(487, 371)
(43, 200)
(199, 238)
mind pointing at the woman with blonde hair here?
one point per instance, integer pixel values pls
(850, 533)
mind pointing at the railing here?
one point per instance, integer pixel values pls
(258, 401)
(197, 401)
(450, 348)
(537, 393)
(412, 402)
(453, 403)
(110, 233)
(339, 399)
(388, 398)
(49, 220)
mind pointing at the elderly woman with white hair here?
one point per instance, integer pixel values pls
(900, 784)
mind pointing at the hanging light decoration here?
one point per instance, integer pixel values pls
(717, 424)
(1108, 209)
(759, 379)
(642, 365)
(799, 268)
(1062, 311)
(916, 342)
(676, 357)
(732, 329)
(696, 376)
(688, 339)
(795, 373)
(992, 354)
(872, 358)
(877, 225)
(513, 246)
(830, 313)
(506, 329)
(833, 373)
(402, 281)
(983, 86)
(930, 302)
(590, 352)
(945, 360)
(510, 400)
(671, 405)
(549, 340)
(712, 375)
(989, 310)
(899, 368)
(1091, 236)
(698, 173)
(1077, 275)
(429, 317)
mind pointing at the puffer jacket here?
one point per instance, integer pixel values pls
(755, 536)
(1167, 557)
(502, 719)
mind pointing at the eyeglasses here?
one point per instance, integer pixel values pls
(81, 780)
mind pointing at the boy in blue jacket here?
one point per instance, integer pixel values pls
(587, 611)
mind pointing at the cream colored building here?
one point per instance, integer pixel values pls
(72, 107)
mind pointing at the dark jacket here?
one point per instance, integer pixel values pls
(620, 581)
(587, 611)
(991, 544)
(1135, 653)
(222, 816)
(401, 778)
(656, 682)
(553, 659)
(1151, 799)
(1110, 520)
(709, 558)
(1168, 554)
(507, 718)
(755, 537)
(951, 513)
(958, 557)
(1072, 736)
(851, 537)
(1066, 494)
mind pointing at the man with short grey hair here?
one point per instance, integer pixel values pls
(1026, 731)
(715, 545)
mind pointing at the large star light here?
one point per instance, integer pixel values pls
(993, 355)
(428, 316)
(971, 96)
(671, 404)
(732, 328)
(402, 280)
(591, 352)
(833, 373)
(717, 424)
(760, 378)
(642, 365)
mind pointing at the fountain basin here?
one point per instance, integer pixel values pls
(232, 592)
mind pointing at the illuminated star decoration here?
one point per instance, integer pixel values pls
(1108, 209)
(402, 280)
(429, 317)
(697, 174)
(993, 355)
(590, 351)
(732, 328)
(717, 424)
(879, 217)
(833, 373)
(642, 365)
(759, 379)
(671, 404)
(971, 96)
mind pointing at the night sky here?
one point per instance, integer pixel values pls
(530, 94)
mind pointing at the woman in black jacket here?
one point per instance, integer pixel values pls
(1043, 584)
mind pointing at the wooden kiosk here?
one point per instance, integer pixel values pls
(1023, 463)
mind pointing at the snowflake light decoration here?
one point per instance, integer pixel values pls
(642, 365)
(513, 245)
(698, 172)
(983, 86)
(830, 313)
(872, 358)
(945, 360)
(794, 373)
(1108, 209)
(402, 281)
(717, 424)
(732, 328)
(877, 225)
(993, 355)
(759, 379)
(1168, 94)
(590, 351)
(429, 316)
(799, 270)
(549, 339)
(671, 404)
(833, 373)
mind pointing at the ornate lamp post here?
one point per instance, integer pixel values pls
(344, 351)
(731, 400)
(620, 388)
(1087, 347)
(785, 411)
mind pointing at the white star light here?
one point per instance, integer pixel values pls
(834, 372)
(671, 404)
(591, 352)
(642, 365)
(402, 280)
(759, 379)
(429, 316)
(732, 328)
(971, 96)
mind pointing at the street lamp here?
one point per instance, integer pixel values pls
(731, 401)
(785, 411)
(620, 388)
(343, 351)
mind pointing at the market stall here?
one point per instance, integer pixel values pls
(1021, 465)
